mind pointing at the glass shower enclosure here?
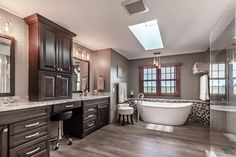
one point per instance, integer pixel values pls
(223, 85)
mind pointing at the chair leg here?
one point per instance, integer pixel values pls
(123, 120)
(131, 117)
(119, 118)
(127, 118)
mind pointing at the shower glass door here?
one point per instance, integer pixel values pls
(223, 85)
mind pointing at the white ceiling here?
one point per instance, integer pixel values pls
(185, 25)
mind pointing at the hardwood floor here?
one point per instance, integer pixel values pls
(190, 140)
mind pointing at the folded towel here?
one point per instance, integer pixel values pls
(84, 83)
(100, 84)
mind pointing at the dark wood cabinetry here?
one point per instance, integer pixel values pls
(54, 85)
(93, 115)
(3, 141)
(25, 132)
(50, 59)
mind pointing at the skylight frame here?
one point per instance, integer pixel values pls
(148, 35)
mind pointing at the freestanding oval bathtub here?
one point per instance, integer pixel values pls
(165, 113)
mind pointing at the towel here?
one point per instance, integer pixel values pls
(84, 83)
(200, 67)
(204, 85)
(100, 84)
(122, 89)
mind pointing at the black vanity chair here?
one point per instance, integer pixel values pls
(61, 117)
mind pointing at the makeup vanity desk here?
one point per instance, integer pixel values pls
(24, 127)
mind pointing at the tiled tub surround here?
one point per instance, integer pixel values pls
(200, 109)
(18, 103)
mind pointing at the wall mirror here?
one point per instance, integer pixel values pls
(7, 66)
(81, 76)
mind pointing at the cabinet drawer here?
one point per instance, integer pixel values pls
(90, 109)
(25, 114)
(66, 106)
(96, 101)
(90, 116)
(28, 136)
(90, 125)
(24, 126)
(36, 148)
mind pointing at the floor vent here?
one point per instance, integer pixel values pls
(135, 6)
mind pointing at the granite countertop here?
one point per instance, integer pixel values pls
(31, 104)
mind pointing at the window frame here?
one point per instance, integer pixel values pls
(159, 79)
(219, 95)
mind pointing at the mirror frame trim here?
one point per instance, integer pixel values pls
(88, 73)
(12, 67)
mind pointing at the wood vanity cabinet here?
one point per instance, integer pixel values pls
(3, 141)
(93, 115)
(54, 85)
(50, 59)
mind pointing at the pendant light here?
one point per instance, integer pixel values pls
(157, 59)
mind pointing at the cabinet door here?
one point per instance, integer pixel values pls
(48, 47)
(3, 141)
(47, 85)
(103, 115)
(64, 86)
(65, 53)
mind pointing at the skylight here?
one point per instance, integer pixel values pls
(148, 34)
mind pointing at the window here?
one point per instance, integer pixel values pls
(168, 80)
(159, 82)
(150, 80)
(217, 79)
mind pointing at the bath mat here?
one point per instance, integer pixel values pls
(231, 137)
(162, 128)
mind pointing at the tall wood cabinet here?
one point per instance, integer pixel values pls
(50, 59)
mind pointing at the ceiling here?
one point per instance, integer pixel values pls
(185, 25)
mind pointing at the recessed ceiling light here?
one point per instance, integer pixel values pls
(148, 34)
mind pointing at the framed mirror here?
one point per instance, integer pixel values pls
(81, 69)
(7, 66)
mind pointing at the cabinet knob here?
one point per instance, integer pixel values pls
(61, 69)
(58, 69)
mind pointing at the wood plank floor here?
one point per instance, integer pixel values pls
(190, 140)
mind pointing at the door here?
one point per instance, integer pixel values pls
(48, 48)
(65, 53)
(103, 115)
(47, 85)
(64, 88)
(3, 141)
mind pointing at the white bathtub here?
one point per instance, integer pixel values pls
(165, 113)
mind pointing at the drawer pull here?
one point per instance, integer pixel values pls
(32, 125)
(90, 109)
(31, 136)
(69, 106)
(91, 125)
(33, 151)
(5, 130)
(90, 116)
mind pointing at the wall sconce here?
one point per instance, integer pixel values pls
(81, 54)
(5, 26)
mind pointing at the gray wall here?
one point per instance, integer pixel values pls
(20, 33)
(102, 61)
(116, 60)
(189, 83)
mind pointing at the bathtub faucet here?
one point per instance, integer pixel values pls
(139, 103)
